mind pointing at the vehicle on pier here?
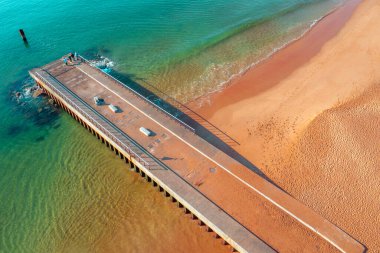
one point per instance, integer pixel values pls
(146, 132)
(114, 108)
(98, 100)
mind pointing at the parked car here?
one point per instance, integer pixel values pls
(114, 108)
(98, 100)
(145, 131)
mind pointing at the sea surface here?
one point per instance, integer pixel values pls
(60, 189)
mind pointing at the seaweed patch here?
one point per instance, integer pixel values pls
(32, 103)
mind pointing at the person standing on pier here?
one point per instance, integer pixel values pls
(75, 56)
(65, 60)
(71, 57)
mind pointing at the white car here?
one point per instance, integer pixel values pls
(145, 131)
(113, 108)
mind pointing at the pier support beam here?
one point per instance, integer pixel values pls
(166, 194)
(216, 236)
(208, 229)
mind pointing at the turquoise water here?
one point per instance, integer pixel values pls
(60, 189)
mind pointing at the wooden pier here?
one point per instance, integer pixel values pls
(182, 165)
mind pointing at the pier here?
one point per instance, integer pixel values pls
(182, 164)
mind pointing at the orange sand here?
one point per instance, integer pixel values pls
(309, 119)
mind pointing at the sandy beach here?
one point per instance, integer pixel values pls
(308, 118)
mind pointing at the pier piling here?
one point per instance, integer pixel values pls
(23, 36)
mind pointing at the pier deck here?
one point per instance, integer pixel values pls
(241, 210)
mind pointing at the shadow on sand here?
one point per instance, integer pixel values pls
(202, 127)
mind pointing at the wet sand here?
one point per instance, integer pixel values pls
(272, 71)
(308, 118)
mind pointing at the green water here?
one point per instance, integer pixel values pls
(63, 191)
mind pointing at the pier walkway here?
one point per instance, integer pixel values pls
(245, 210)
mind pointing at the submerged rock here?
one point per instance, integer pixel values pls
(15, 130)
(38, 92)
(31, 101)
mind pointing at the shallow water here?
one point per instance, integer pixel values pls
(63, 191)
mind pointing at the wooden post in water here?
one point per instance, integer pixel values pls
(21, 31)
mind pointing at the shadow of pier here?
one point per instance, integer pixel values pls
(202, 127)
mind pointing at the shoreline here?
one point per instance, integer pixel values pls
(304, 117)
(316, 36)
(243, 71)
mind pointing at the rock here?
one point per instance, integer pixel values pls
(38, 92)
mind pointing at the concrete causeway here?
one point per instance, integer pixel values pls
(226, 197)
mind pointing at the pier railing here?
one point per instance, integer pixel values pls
(111, 133)
(182, 123)
(190, 113)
